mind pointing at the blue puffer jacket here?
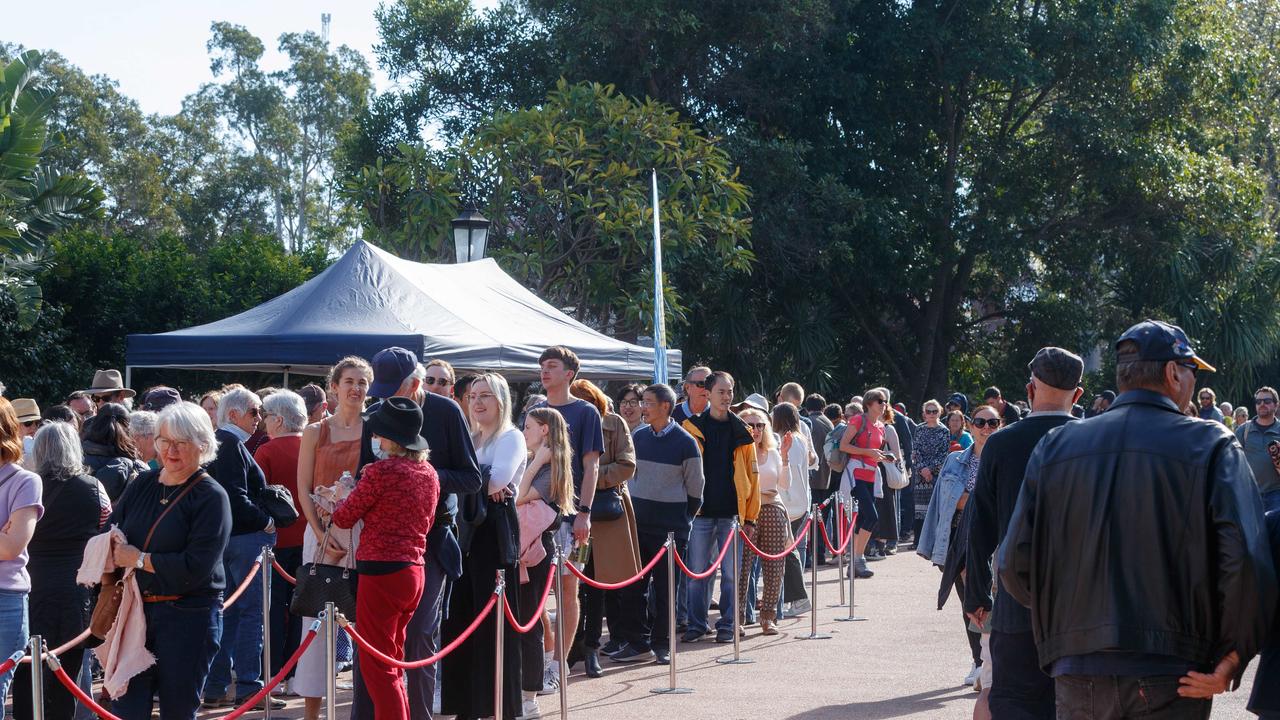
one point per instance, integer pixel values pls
(935, 533)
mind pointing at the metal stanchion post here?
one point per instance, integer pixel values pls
(852, 617)
(498, 622)
(330, 661)
(561, 648)
(836, 518)
(813, 583)
(267, 572)
(736, 546)
(671, 688)
(37, 677)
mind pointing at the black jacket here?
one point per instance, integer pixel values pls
(238, 474)
(110, 468)
(1004, 462)
(1141, 531)
(1265, 697)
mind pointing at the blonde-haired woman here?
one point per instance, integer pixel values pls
(329, 448)
(929, 447)
(548, 478)
(773, 531)
(615, 547)
(494, 545)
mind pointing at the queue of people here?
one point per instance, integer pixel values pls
(1037, 514)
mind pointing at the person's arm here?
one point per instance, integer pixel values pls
(185, 570)
(1245, 581)
(306, 483)
(456, 464)
(982, 540)
(1014, 554)
(590, 474)
(691, 471)
(362, 499)
(622, 456)
(17, 532)
(232, 473)
(508, 460)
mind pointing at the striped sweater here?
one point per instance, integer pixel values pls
(666, 490)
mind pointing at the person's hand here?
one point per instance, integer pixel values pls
(582, 527)
(877, 455)
(1206, 685)
(502, 494)
(979, 617)
(125, 556)
(927, 474)
(749, 529)
(334, 551)
(541, 456)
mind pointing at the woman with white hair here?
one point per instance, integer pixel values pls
(176, 521)
(142, 428)
(284, 416)
(75, 506)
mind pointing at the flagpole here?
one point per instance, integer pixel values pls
(659, 316)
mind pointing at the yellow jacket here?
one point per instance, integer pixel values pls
(746, 476)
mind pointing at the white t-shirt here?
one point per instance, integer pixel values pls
(772, 479)
(506, 456)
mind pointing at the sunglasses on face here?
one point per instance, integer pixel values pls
(99, 399)
(985, 423)
(931, 411)
(30, 423)
(1264, 401)
(431, 382)
(697, 383)
(758, 427)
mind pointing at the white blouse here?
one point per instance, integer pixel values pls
(773, 477)
(796, 497)
(506, 457)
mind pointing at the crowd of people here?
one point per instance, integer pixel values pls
(1105, 558)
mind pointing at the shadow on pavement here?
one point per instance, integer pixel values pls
(925, 702)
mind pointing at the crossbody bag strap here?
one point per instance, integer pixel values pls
(191, 483)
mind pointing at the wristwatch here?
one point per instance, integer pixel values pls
(141, 561)
(584, 509)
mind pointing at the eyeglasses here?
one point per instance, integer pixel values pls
(696, 383)
(99, 399)
(759, 427)
(931, 411)
(163, 444)
(1264, 401)
(986, 422)
(648, 403)
(629, 403)
(432, 382)
(30, 423)
(481, 397)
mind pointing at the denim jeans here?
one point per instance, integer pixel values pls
(1112, 697)
(706, 538)
(241, 646)
(184, 636)
(13, 632)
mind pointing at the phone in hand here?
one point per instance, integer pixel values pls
(890, 457)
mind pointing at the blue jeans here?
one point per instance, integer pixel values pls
(13, 632)
(706, 538)
(241, 646)
(184, 636)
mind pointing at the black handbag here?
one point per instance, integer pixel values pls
(319, 583)
(506, 528)
(276, 501)
(606, 505)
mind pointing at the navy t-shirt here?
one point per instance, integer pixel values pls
(585, 434)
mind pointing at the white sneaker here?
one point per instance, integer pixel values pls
(974, 673)
(529, 709)
(550, 680)
(800, 607)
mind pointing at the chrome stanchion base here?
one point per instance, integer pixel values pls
(734, 661)
(671, 691)
(855, 618)
(817, 636)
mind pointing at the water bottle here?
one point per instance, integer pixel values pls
(347, 480)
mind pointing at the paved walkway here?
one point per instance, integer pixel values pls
(906, 661)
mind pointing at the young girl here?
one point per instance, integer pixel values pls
(548, 479)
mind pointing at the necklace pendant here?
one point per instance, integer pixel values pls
(164, 501)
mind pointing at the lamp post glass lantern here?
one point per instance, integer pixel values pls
(470, 234)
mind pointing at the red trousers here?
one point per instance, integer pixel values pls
(384, 605)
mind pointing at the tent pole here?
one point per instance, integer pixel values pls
(286, 377)
(128, 375)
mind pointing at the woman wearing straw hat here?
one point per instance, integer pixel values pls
(29, 418)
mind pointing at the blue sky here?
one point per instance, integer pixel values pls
(156, 50)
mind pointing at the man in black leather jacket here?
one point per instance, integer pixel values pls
(1138, 544)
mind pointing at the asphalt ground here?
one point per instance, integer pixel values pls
(907, 660)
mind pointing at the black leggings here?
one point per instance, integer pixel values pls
(865, 495)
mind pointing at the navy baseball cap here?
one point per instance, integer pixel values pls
(390, 368)
(1162, 342)
(959, 399)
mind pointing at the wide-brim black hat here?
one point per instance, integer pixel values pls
(399, 420)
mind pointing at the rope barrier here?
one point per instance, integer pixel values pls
(709, 571)
(282, 573)
(257, 565)
(84, 698)
(844, 544)
(536, 616)
(410, 665)
(619, 585)
(12, 662)
(279, 677)
(766, 556)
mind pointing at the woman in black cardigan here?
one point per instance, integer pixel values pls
(75, 505)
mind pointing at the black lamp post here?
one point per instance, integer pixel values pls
(470, 234)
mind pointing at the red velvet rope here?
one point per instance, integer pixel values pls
(243, 586)
(766, 556)
(281, 572)
(536, 617)
(822, 528)
(11, 663)
(388, 660)
(81, 695)
(619, 585)
(714, 566)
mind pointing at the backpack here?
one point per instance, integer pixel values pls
(837, 459)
